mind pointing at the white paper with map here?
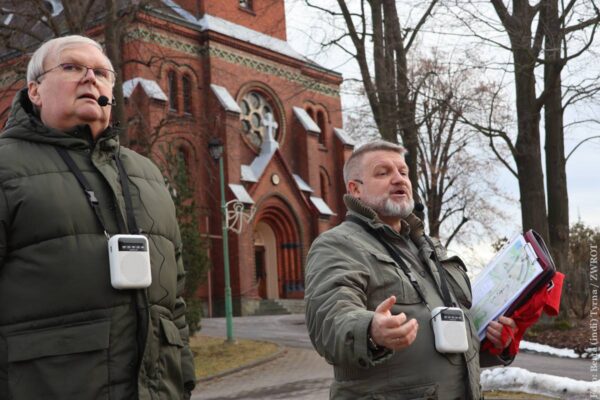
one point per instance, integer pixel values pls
(502, 281)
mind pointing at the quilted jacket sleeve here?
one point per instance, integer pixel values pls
(336, 304)
(187, 358)
(3, 227)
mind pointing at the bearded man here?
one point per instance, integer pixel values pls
(371, 285)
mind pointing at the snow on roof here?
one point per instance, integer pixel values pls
(261, 161)
(240, 193)
(183, 13)
(306, 121)
(211, 23)
(9, 17)
(269, 146)
(321, 206)
(302, 185)
(216, 24)
(345, 139)
(57, 7)
(151, 88)
(248, 174)
(225, 98)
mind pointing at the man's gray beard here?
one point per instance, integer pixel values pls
(386, 207)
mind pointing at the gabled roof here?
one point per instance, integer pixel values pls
(255, 170)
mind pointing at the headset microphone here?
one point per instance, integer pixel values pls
(418, 206)
(103, 101)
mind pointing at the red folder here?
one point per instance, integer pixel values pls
(549, 270)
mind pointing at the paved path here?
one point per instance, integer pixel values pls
(301, 374)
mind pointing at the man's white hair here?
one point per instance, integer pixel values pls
(55, 46)
(353, 165)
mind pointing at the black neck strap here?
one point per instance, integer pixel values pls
(124, 178)
(394, 253)
(445, 292)
(93, 200)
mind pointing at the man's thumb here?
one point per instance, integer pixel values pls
(386, 305)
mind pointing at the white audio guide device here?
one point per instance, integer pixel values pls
(129, 259)
(449, 329)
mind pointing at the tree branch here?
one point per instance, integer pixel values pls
(579, 144)
(421, 22)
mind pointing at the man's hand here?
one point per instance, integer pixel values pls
(392, 331)
(494, 332)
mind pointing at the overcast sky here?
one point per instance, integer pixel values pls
(306, 27)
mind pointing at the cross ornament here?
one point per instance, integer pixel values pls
(271, 125)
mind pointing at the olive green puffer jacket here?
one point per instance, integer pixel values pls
(65, 333)
(348, 274)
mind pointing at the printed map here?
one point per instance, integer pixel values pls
(502, 281)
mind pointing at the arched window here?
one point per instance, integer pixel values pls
(173, 98)
(187, 94)
(310, 112)
(322, 125)
(183, 172)
(324, 185)
(255, 108)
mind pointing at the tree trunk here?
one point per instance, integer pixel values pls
(528, 153)
(112, 35)
(406, 113)
(556, 178)
(384, 74)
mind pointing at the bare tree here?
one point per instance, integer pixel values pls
(380, 45)
(461, 203)
(557, 53)
(539, 35)
(454, 190)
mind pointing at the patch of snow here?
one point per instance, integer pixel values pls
(225, 98)
(545, 349)
(306, 121)
(521, 380)
(151, 88)
(301, 184)
(321, 206)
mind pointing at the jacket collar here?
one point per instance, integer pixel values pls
(24, 123)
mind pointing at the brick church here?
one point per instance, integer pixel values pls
(199, 70)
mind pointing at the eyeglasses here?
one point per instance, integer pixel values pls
(359, 181)
(76, 72)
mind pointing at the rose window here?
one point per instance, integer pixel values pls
(254, 110)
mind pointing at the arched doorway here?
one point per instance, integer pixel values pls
(277, 251)
(265, 255)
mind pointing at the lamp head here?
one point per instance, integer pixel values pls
(215, 148)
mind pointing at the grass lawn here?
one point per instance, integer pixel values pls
(214, 355)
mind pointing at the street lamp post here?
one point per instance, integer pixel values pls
(215, 148)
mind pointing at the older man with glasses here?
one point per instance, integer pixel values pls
(84, 313)
(377, 288)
